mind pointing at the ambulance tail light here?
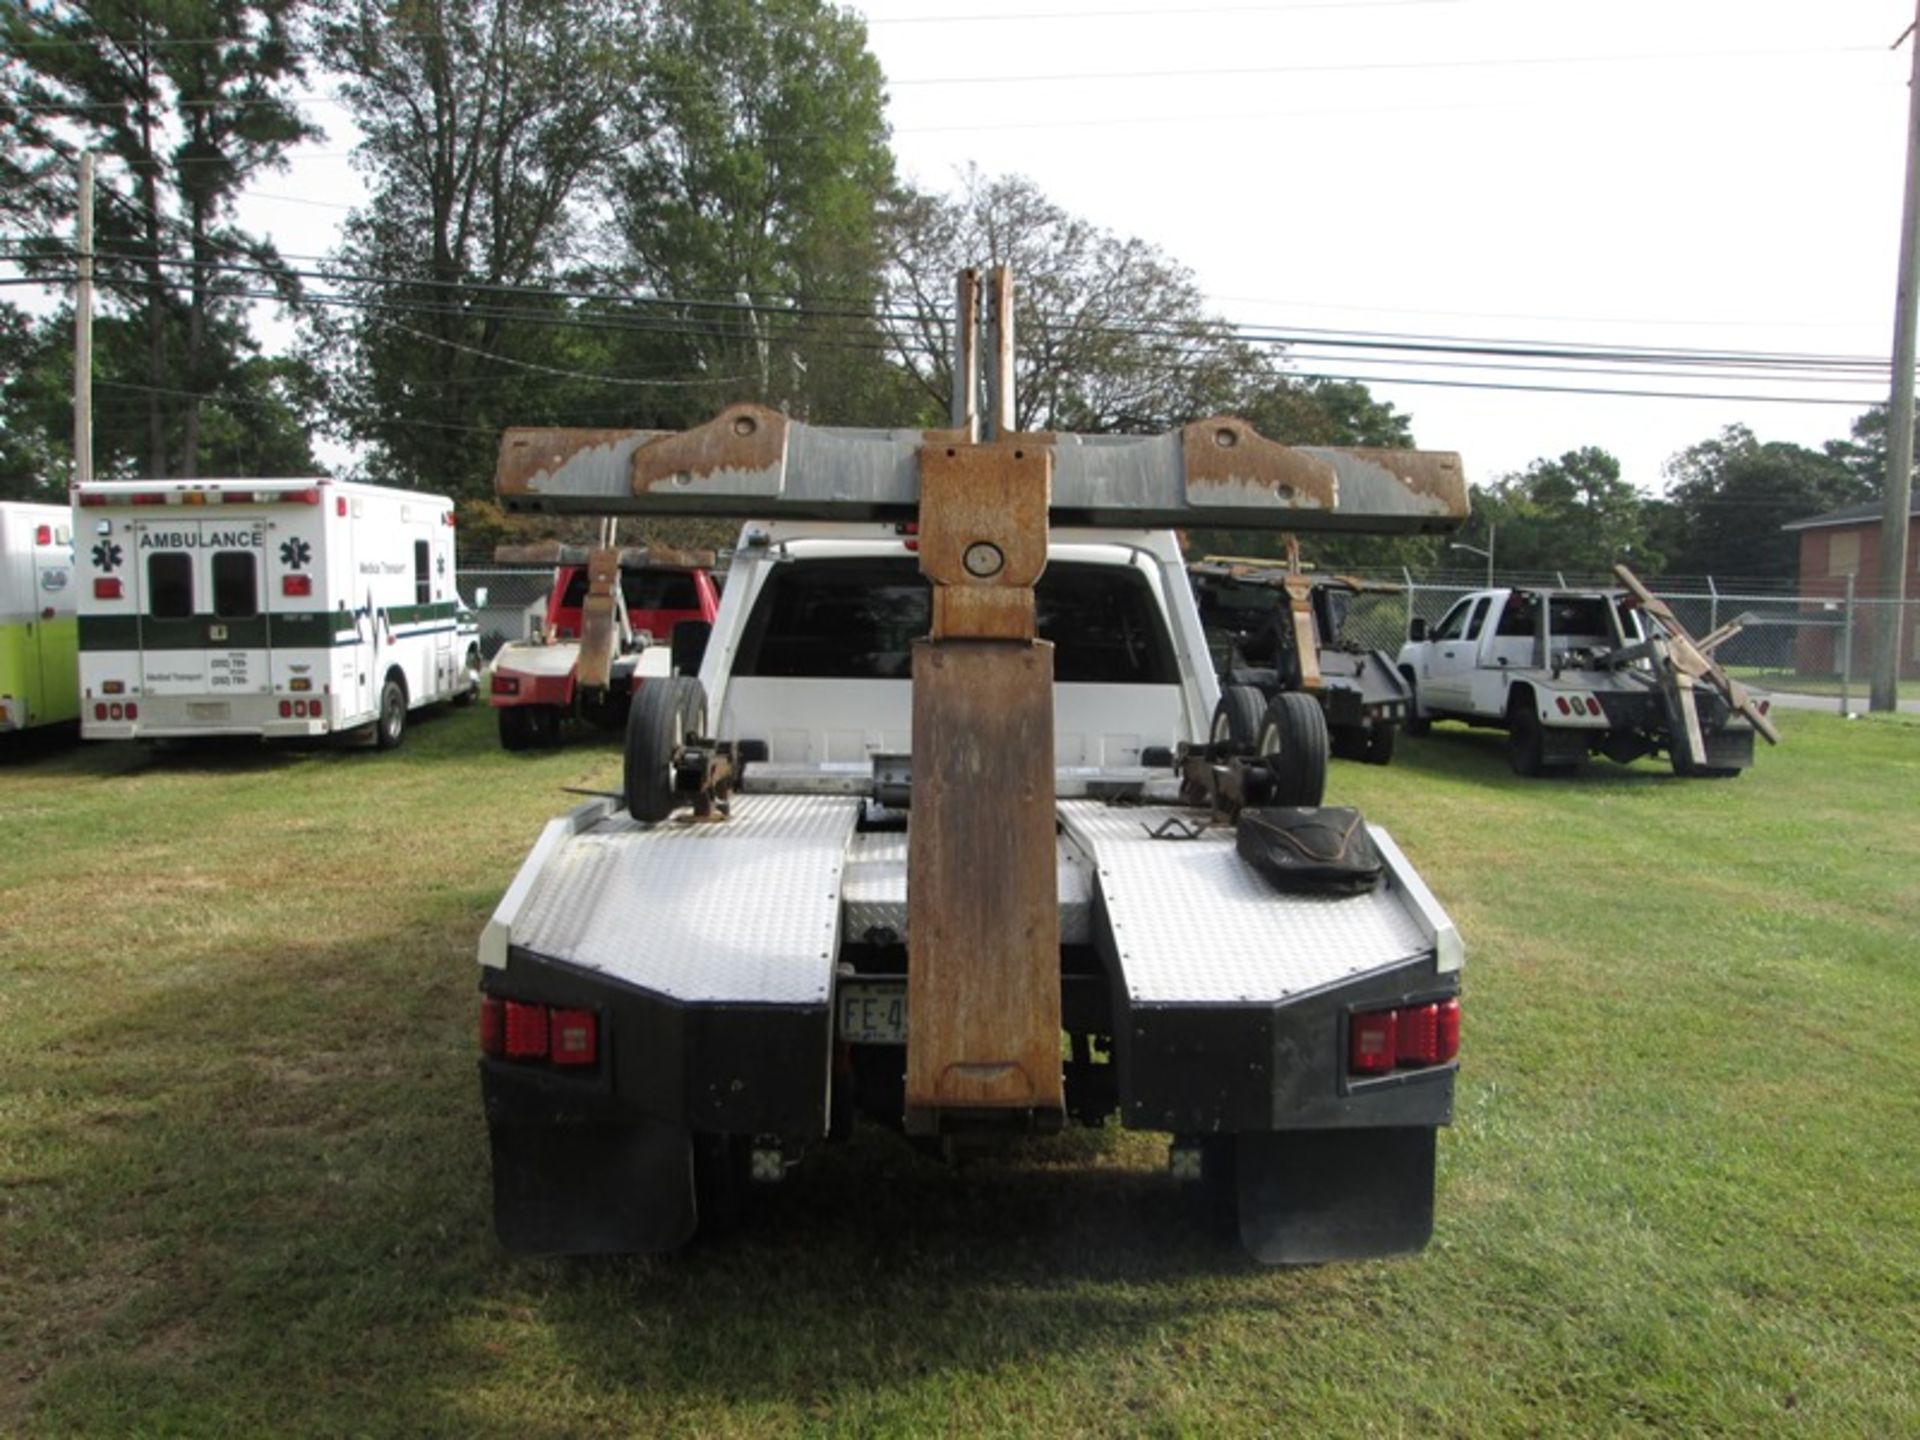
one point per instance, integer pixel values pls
(99, 711)
(133, 711)
(106, 587)
(286, 709)
(340, 505)
(43, 534)
(506, 684)
(493, 1026)
(296, 585)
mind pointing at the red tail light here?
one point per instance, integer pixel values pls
(43, 534)
(1561, 702)
(99, 712)
(1419, 1039)
(106, 587)
(339, 504)
(1374, 1041)
(520, 1030)
(286, 709)
(526, 1031)
(296, 585)
(506, 684)
(574, 1037)
(1413, 1036)
(133, 711)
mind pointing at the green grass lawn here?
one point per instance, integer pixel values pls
(243, 1176)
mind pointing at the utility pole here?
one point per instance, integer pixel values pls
(1884, 692)
(83, 330)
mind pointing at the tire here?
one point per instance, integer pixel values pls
(1236, 719)
(1294, 744)
(1379, 749)
(1526, 741)
(665, 713)
(516, 727)
(543, 726)
(470, 670)
(390, 723)
(1417, 724)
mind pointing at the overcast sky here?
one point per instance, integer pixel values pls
(1702, 174)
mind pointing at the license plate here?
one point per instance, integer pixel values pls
(873, 1012)
(208, 710)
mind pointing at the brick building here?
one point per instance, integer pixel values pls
(1832, 547)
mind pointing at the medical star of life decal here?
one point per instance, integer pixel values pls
(295, 553)
(107, 555)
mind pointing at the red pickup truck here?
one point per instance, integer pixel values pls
(536, 682)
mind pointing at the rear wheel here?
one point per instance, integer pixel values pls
(516, 727)
(1526, 740)
(391, 723)
(1379, 749)
(1236, 719)
(665, 714)
(1294, 744)
(468, 686)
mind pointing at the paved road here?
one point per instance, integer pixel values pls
(1788, 700)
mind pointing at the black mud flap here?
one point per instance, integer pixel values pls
(592, 1189)
(1310, 1196)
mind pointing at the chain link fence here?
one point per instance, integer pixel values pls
(1819, 644)
(506, 600)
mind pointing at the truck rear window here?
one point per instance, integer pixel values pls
(643, 589)
(857, 619)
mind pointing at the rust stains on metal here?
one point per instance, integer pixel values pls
(1434, 473)
(1226, 453)
(530, 454)
(983, 979)
(741, 438)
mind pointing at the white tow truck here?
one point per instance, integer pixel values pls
(941, 836)
(1570, 672)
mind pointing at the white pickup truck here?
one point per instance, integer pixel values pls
(676, 1005)
(1569, 673)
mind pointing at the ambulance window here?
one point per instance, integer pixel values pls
(422, 574)
(170, 586)
(235, 595)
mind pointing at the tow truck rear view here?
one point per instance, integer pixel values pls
(937, 836)
(1569, 673)
(611, 617)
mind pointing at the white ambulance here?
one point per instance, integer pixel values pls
(274, 608)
